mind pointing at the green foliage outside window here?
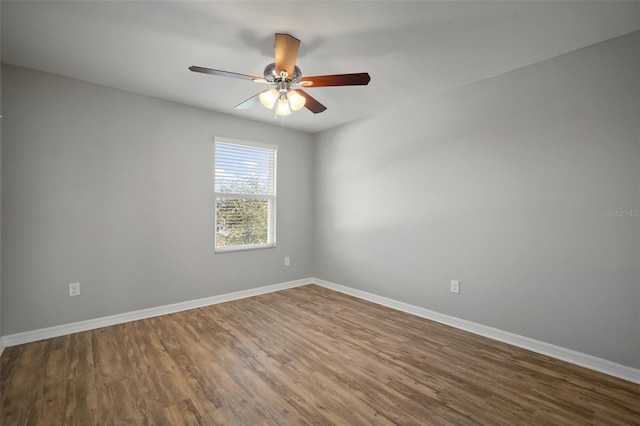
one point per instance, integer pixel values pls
(242, 221)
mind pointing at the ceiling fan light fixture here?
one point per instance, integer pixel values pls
(283, 105)
(296, 100)
(268, 98)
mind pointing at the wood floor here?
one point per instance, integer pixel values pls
(301, 356)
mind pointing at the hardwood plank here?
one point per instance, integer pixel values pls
(301, 356)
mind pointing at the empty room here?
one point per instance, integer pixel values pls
(320, 212)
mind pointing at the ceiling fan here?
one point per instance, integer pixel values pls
(284, 74)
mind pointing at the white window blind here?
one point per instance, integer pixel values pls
(245, 191)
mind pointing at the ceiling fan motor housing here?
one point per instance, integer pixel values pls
(271, 74)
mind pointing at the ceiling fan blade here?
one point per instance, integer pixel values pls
(286, 47)
(249, 102)
(227, 74)
(358, 79)
(311, 103)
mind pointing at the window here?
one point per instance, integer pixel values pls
(245, 191)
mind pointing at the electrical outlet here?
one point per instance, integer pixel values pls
(455, 286)
(74, 289)
(287, 261)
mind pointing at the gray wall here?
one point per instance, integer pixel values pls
(114, 190)
(503, 185)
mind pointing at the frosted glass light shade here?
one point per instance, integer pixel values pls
(268, 98)
(283, 106)
(296, 100)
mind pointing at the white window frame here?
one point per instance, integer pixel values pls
(271, 220)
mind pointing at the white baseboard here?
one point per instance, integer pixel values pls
(574, 357)
(76, 327)
(588, 361)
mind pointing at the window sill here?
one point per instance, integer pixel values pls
(234, 249)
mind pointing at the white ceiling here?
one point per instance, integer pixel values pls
(410, 49)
